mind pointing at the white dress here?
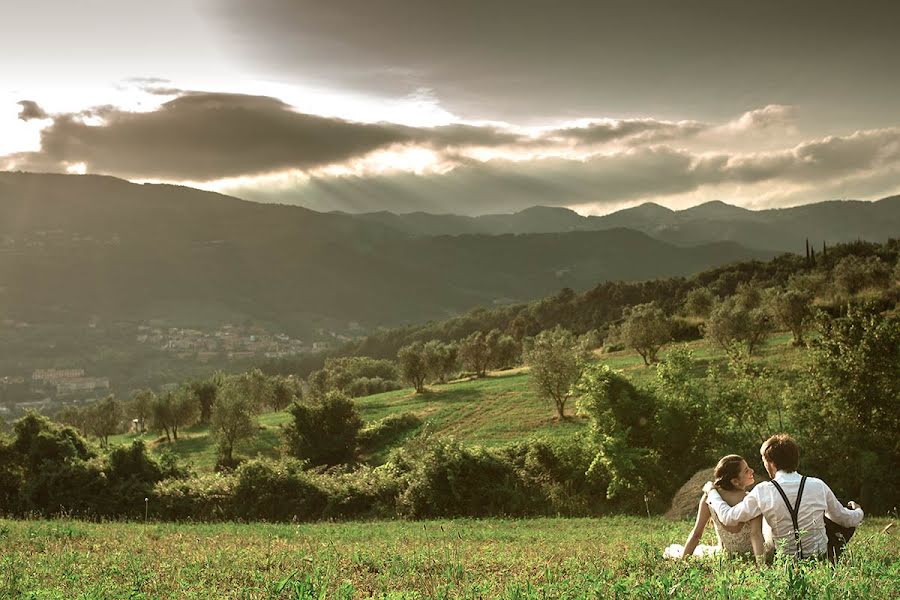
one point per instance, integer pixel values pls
(729, 543)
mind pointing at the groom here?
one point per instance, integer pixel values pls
(781, 455)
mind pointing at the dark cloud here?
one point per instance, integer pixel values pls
(468, 135)
(31, 110)
(535, 60)
(205, 136)
(633, 130)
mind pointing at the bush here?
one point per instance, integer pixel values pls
(207, 497)
(324, 431)
(446, 479)
(277, 491)
(845, 407)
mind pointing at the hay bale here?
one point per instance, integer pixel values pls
(684, 504)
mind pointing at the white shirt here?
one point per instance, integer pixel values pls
(818, 500)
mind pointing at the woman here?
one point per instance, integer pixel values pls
(733, 477)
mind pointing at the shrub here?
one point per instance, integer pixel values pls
(324, 431)
(845, 407)
(446, 479)
(207, 497)
(277, 491)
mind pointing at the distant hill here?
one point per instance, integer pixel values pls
(72, 247)
(782, 230)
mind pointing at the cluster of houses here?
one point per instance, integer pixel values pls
(51, 387)
(229, 341)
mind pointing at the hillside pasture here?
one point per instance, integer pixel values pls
(492, 411)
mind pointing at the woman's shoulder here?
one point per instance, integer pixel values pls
(732, 497)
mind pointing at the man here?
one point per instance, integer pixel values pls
(781, 455)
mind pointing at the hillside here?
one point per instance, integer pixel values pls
(490, 412)
(781, 230)
(80, 246)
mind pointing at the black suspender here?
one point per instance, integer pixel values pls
(793, 510)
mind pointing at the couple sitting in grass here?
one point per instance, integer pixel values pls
(792, 514)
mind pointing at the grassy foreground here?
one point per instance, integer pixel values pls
(613, 557)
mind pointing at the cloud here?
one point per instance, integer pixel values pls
(635, 131)
(206, 136)
(485, 60)
(824, 159)
(31, 110)
(638, 174)
(261, 148)
(477, 187)
(771, 116)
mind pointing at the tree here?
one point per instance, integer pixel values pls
(258, 388)
(557, 361)
(185, 410)
(324, 430)
(792, 309)
(233, 419)
(474, 353)
(844, 408)
(284, 391)
(413, 365)
(141, 407)
(646, 328)
(854, 273)
(205, 395)
(699, 302)
(105, 418)
(440, 359)
(732, 324)
(504, 350)
(161, 415)
(523, 325)
(171, 411)
(621, 432)
(79, 418)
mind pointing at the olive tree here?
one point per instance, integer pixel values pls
(557, 360)
(233, 418)
(792, 309)
(645, 328)
(413, 365)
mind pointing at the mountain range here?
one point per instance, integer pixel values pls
(76, 247)
(780, 230)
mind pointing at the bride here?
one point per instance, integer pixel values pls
(732, 479)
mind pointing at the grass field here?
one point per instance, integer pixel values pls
(613, 557)
(493, 411)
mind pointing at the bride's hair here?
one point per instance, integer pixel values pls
(728, 468)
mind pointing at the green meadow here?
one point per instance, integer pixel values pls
(612, 557)
(490, 412)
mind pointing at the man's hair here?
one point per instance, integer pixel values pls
(782, 451)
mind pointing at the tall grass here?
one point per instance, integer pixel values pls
(615, 557)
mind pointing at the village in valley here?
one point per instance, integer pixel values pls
(46, 386)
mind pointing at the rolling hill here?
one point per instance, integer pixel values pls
(79, 247)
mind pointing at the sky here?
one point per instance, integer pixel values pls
(466, 107)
